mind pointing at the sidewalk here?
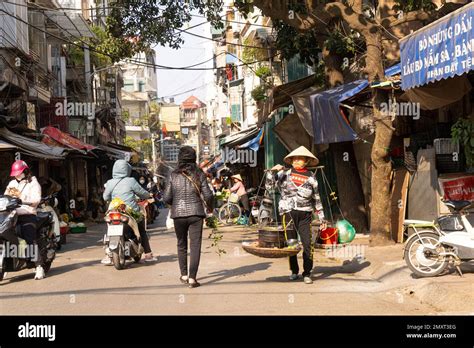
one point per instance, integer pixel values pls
(235, 283)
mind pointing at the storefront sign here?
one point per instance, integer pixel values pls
(443, 49)
(458, 188)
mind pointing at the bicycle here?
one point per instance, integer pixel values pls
(230, 211)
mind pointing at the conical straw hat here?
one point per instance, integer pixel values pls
(237, 176)
(303, 152)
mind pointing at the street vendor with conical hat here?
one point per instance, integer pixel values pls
(299, 198)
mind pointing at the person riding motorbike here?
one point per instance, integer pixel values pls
(143, 182)
(27, 188)
(123, 186)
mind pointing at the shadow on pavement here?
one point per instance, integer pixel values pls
(348, 267)
(235, 272)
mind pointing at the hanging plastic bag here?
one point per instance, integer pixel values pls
(347, 232)
(169, 221)
(243, 220)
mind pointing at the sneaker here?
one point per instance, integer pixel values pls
(106, 261)
(192, 283)
(294, 277)
(308, 280)
(39, 274)
(150, 258)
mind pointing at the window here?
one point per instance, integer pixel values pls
(170, 152)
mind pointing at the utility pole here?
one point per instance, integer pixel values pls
(153, 149)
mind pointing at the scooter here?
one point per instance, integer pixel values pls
(266, 211)
(435, 245)
(15, 253)
(48, 205)
(122, 239)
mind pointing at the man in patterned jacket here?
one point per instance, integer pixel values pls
(299, 198)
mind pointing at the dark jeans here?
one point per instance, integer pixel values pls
(29, 233)
(191, 225)
(302, 226)
(144, 237)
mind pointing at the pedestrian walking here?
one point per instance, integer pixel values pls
(189, 195)
(299, 197)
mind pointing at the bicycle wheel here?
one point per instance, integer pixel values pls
(228, 213)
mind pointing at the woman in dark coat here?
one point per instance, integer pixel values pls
(189, 195)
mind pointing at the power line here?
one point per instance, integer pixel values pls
(157, 66)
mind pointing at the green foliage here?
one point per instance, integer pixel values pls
(340, 44)
(413, 5)
(290, 43)
(463, 132)
(263, 72)
(114, 48)
(143, 146)
(258, 93)
(146, 23)
(75, 56)
(216, 237)
(125, 116)
(253, 54)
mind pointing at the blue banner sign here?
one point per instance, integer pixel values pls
(442, 49)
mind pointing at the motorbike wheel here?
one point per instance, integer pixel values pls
(118, 256)
(47, 266)
(424, 261)
(2, 273)
(137, 258)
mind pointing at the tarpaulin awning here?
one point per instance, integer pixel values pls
(303, 107)
(4, 146)
(115, 153)
(436, 95)
(292, 134)
(66, 139)
(240, 137)
(442, 49)
(253, 144)
(281, 96)
(32, 147)
(329, 123)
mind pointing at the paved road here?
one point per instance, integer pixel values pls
(235, 283)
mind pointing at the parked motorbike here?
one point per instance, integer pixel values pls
(122, 240)
(15, 253)
(435, 245)
(48, 205)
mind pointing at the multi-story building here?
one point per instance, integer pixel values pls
(194, 126)
(235, 47)
(139, 91)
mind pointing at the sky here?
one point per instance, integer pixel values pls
(194, 50)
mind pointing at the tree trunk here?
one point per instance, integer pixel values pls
(381, 165)
(349, 187)
(381, 170)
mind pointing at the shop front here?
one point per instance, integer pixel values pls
(437, 63)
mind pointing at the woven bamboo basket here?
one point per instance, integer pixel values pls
(271, 253)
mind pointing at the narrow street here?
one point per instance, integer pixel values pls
(236, 283)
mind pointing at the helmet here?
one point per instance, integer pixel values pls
(18, 167)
